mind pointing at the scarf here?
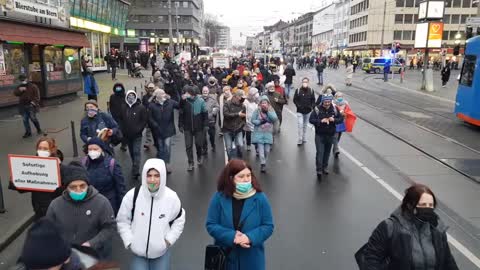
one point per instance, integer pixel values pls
(242, 196)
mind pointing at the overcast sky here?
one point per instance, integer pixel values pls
(249, 16)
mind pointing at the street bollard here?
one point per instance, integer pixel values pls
(2, 203)
(74, 139)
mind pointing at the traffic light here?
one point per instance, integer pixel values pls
(468, 33)
(456, 50)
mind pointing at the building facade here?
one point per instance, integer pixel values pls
(303, 33)
(322, 32)
(341, 26)
(224, 39)
(148, 25)
(366, 26)
(36, 41)
(103, 20)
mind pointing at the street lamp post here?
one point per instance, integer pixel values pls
(170, 31)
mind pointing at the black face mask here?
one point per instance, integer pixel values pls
(427, 215)
(242, 100)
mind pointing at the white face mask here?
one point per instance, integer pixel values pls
(94, 154)
(305, 85)
(42, 153)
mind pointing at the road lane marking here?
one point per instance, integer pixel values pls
(454, 242)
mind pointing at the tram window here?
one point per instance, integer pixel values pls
(468, 70)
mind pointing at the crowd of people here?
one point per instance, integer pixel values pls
(243, 104)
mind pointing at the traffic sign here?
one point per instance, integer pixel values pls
(473, 21)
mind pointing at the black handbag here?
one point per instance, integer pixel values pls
(215, 257)
(360, 254)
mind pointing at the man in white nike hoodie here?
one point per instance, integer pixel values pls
(158, 219)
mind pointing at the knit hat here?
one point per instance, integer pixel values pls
(97, 141)
(327, 97)
(252, 91)
(93, 102)
(44, 247)
(72, 172)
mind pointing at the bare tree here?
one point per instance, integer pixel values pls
(211, 27)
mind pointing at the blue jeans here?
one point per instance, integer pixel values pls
(30, 114)
(142, 263)
(302, 126)
(288, 88)
(263, 151)
(233, 151)
(135, 150)
(323, 143)
(320, 77)
(164, 150)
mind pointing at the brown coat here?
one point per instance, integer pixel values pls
(27, 94)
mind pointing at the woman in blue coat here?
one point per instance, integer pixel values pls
(263, 120)
(104, 173)
(240, 218)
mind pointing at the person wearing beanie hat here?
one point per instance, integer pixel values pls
(193, 122)
(251, 104)
(99, 124)
(84, 216)
(234, 113)
(104, 173)
(263, 118)
(324, 119)
(44, 248)
(277, 100)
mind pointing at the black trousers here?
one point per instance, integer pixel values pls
(190, 137)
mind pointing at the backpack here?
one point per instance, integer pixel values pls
(360, 254)
(111, 164)
(135, 196)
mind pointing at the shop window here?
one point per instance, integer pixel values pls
(13, 65)
(399, 18)
(72, 63)
(468, 70)
(54, 64)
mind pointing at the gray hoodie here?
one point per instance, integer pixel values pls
(91, 220)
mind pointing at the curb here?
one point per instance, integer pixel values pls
(16, 231)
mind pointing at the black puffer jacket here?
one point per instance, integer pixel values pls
(133, 119)
(398, 248)
(232, 122)
(325, 129)
(117, 102)
(304, 99)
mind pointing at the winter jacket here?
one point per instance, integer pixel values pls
(325, 129)
(161, 118)
(215, 89)
(193, 115)
(134, 118)
(289, 73)
(30, 95)
(400, 248)
(232, 122)
(90, 220)
(263, 132)
(117, 102)
(222, 101)
(146, 100)
(445, 73)
(278, 104)
(257, 222)
(212, 108)
(320, 67)
(89, 126)
(304, 99)
(110, 183)
(250, 107)
(147, 232)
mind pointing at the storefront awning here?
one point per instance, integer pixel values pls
(33, 34)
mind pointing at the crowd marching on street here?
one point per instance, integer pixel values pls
(244, 104)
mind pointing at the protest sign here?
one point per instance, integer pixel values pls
(34, 173)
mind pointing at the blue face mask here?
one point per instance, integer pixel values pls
(243, 187)
(78, 196)
(340, 99)
(118, 89)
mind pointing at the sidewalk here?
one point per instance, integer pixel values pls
(56, 121)
(413, 81)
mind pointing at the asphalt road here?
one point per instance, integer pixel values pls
(318, 225)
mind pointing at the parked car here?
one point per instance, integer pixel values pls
(376, 64)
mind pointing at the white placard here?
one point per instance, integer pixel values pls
(422, 11)
(221, 62)
(34, 173)
(36, 9)
(3, 68)
(421, 35)
(68, 67)
(435, 9)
